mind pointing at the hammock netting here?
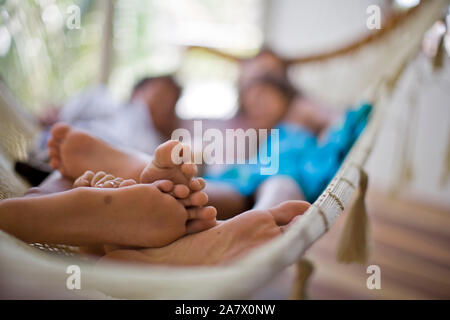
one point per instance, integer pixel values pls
(375, 68)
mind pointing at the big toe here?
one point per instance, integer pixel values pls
(288, 210)
(198, 225)
(59, 131)
(57, 135)
(172, 153)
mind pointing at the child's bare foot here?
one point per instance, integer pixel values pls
(73, 151)
(221, 244)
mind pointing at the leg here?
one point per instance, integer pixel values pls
(193, 198)
(272, 192)
(276, 190)
(73, 152)
(136, 215)
(225, 242)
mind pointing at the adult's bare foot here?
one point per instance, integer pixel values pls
(223, 243)
(72, 152)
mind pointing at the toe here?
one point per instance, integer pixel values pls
(194, 226)
(164, 185)
(169, 154)
(54, 163)
(115, 183)
(202, 213)
(60, 130)
(127, 183)
(52, 143)
(88, 175)
(81, 182)
(285, 212)
(105, 179)
(189, 170)
(53, 152)
(197, 199)
(181, 191)
(197, 184)
(108, 184)
(118, 181)
(97, 177)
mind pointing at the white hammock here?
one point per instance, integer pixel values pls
(27, 269)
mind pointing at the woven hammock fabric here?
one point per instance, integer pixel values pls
(23, 268)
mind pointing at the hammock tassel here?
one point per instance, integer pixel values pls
(353, 246)
(304, 270)
(446, 174)
(439, 58)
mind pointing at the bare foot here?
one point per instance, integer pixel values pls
(199, 217)
(101, 180)
(191, 196)
(139, 215)
(72, 152)
(223, 243)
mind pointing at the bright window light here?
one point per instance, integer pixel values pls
(407, 3)
(207, 100)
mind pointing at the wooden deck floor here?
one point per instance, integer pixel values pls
(409, 242)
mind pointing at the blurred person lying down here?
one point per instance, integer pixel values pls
(303, 110)
(305, 161)
(143, 122)
(309, 160)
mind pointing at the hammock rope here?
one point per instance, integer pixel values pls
(389, 24)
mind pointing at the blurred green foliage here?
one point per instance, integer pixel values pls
(41, 59)
(44, 61)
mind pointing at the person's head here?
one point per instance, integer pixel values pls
(265, 63)
(160, 94)
(265, 100)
